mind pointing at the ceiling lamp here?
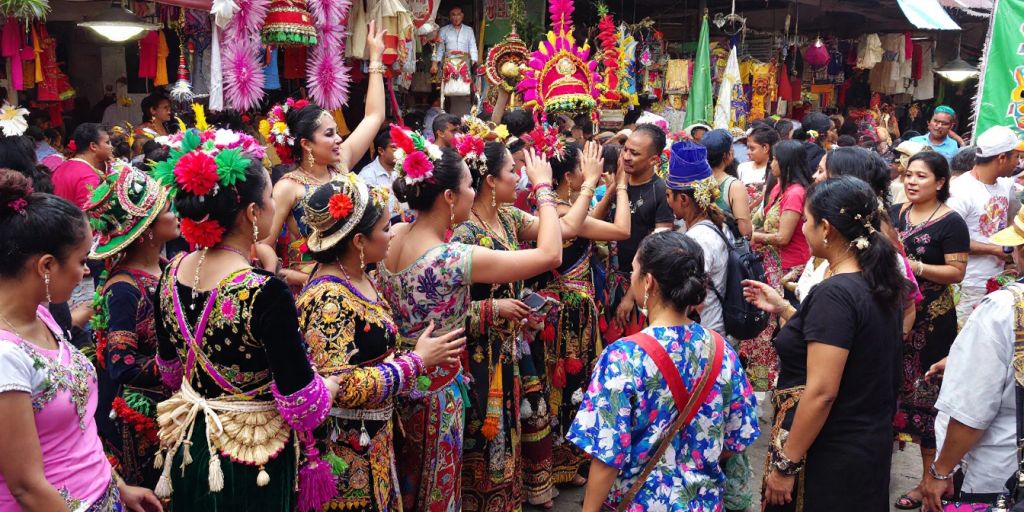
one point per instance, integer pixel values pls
(118, 24)
(957, 70)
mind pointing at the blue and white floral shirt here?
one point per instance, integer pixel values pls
(628, 407)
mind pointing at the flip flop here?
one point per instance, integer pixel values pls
(905, 502)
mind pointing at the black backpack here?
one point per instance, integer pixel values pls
(742, 319)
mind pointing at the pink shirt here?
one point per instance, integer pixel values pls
(52, 161)
(73, 458)
(796, 252)
(75, 180)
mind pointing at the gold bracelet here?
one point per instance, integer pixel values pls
(588, 188)
(377, 67)
(622, 187)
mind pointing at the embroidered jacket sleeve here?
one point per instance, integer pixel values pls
(302, 398)
(167, 360)
(125, 363)
(330, 327)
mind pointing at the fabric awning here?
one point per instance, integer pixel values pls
(927, 15)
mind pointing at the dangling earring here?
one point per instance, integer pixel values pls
(451, 217)
(310, 160)
(826, 243)
(46, 281)
(362, 262)
(255, 231)
(150, 235)
(643, 307)
(494, 197)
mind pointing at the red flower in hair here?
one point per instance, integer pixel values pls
(73, 147)
(340, 206)
(402, 139)
(297, 104)
(196, 173)
(417, 166)
(205, 233)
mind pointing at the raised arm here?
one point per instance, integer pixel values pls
(571, 222)
(596, 228)
(358, 143)
(491, 266)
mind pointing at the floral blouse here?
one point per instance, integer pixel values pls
(628, 406)
(434, 288)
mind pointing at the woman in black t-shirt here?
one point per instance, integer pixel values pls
(839, 361)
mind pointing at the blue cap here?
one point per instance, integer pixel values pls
(687, 165)
(717, 141)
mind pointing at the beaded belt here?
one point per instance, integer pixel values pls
(382, 414)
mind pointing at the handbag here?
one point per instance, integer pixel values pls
(680, 395)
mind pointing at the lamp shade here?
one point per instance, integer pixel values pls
(118, 24)
(957, 70)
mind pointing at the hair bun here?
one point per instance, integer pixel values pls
(15, 190)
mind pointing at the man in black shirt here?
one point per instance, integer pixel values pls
(650, 211)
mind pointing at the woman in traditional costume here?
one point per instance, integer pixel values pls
(321, 155)
(52, 456)
(427, 279)
(247, 398)
(351, 334)
(567, 346)
(131, 220)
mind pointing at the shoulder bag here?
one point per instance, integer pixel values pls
(692, 400)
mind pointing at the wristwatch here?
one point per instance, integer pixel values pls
(935, 474)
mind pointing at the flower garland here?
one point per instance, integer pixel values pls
(471, 147)
(274, 129)
(200, 163)
(548, 141)
(130, 414)
(415, 156)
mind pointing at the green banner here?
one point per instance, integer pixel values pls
(699, 105)
(1001, 89)
(496, 20)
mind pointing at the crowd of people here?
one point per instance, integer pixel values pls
(490, 311)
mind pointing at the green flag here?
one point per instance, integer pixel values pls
(1000, 100)
(699, 106)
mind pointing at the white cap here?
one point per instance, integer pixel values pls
(996, 141)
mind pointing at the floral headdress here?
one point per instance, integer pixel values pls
(275, 130)
(13, 120)
(415, 156)
(199, 164)
(471, 147)
(122, 206)
(486, 131)
(863, 242)
(548, 141)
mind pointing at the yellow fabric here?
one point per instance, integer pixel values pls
(162, 52)
(38, 50)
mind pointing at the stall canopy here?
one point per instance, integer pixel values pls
(927, 15)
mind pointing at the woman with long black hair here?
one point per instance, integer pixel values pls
(840, 361)
(780, 241)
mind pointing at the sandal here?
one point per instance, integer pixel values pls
(905, 502)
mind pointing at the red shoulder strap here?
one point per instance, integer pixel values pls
(671, 374)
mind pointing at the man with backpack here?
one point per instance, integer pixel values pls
(692, 194)
(692, 190)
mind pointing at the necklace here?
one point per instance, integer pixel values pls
(72, 377)
(914, 228)
(195, 281)
(633, 207)
(507, 240)
(832, 268)
(313, 180)
(352, 285)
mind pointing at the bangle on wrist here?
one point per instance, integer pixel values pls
(940, 477)
(622, 188)
(541, 186)
(377, 67)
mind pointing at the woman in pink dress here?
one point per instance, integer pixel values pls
(51, 457)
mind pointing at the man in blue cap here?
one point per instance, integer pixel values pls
(938, 132)
(732, 194)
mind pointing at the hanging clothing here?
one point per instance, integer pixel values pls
(869, 51)
(162, 52)
(925, 87)
(148, 47)
(271, 76)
